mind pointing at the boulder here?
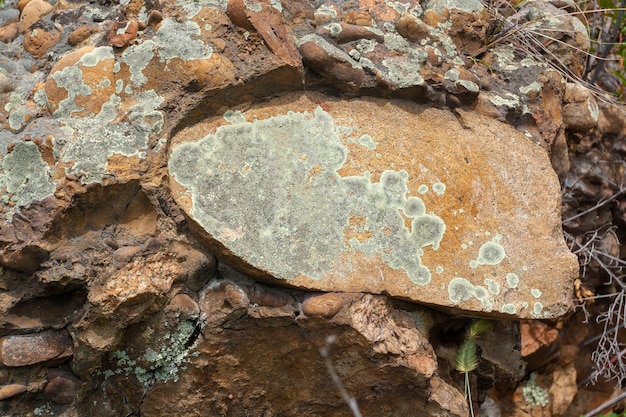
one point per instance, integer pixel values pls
(318, 193)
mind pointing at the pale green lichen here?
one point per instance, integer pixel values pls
(177, 40)
(460, 289)
(491, 253)
(71, 79)
(535, 292)
(165, 363)
(405, 71)
(367, 141)
(534, 394)
(93, 58)
(537, 310)
(469, 6)
(300, 201)
(512, 280)
(422, 189)
(95, 139)
(439, 188)
(508, 308)
(17, 111)
(493, 286)
(25, 175)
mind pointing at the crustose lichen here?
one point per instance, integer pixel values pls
(533, 394)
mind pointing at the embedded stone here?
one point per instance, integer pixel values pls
(32, 12)
(325, 305)
(580, 112)
(39, 39)
(61, 387)
(11, 390)
(331, 62)
(28, 349)
(337, 201)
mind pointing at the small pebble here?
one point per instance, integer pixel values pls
(5, 84)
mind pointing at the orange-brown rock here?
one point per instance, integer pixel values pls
(39, 39)
(325, 305)
(32, 12)
(29, 349)
(431, 213)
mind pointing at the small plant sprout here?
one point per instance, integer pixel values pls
(467, 356)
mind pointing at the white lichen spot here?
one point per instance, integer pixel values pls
(491, 253)
(452, 74)
(91, 59)
(493, 286)
(508, 308)
(366, 45)
(512, 280)
(459, 290)
(326, 10)
(533, 87)
(463, 246)
(439, 188)
(367, 141)
(253, 6)
(334, 29)
(535, 293)
(537, 309)
(422, 189)
(473, 264)
(439, 269)
(524, 304)
(234, 117)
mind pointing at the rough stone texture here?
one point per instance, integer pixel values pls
(93, 244)
(367, 327)
(48, 346)
(332, 200)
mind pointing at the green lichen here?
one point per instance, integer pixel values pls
(25, 175)
(165, 364)
(285, 170)
(534, 394)
(508, 308)
(17, 111)
(493, 286)
(491, 253)
(439, 188)
(460, 289)
(92, 140)
(512, 280)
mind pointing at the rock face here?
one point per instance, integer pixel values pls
(320, 194)
(147, 146)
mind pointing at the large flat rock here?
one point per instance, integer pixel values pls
(371, 195)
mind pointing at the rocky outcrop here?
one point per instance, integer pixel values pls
(145, 143)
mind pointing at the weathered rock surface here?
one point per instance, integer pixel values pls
(318, 193)
(112, 302)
